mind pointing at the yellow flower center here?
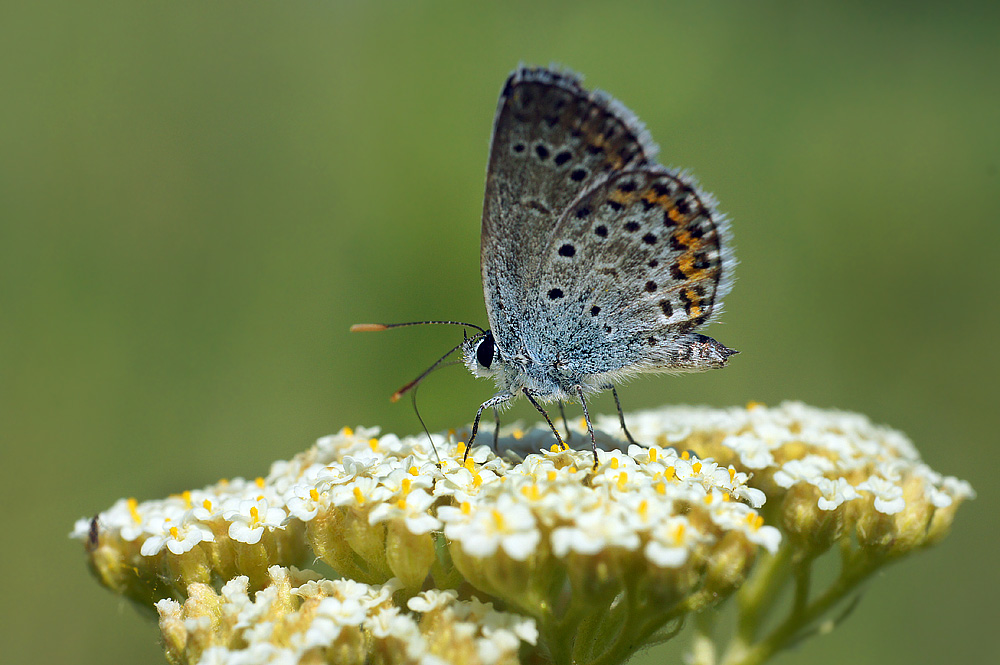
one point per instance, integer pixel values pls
(679, 533)
(133, 509)
(531, 492)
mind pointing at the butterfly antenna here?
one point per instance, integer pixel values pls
(413, 396)
(376, 327)
(413, 384)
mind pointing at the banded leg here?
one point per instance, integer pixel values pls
(586, 417)
(546, 416)
(492, 402)
(496, 430)
(562, 412)
(621, 419)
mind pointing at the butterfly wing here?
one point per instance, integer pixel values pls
(635, 264)
(552, 140)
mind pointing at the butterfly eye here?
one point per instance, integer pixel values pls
(486, 350)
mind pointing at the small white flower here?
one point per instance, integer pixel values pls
(362, 463)
(463, 482)
(251, 517)
(888, 496)
(358, 492)
(592, 532)
(216, 655)
(389, 622)
(401, 479)
(332, 616)
(412, 508)
(754, 452)
(481, 530)
(178, 538)
(304, 501)
(427, 601)
(809, 469)
(671, 542)
(833, 492)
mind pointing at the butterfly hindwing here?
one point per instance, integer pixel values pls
(637, 261)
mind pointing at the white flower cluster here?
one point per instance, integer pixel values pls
(842, 456)
(301, 617)
(645, 538)
(633, 500)
(180, 522)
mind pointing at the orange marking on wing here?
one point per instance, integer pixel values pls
(618, 196)
(686, 264)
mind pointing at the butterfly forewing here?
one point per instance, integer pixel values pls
(552, 140)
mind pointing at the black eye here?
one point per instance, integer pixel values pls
(485, 351)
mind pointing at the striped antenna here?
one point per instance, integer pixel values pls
(376, 327)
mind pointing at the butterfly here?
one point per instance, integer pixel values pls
(598, 263)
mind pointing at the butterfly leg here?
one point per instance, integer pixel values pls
(586, 417)
(496, 430)
(621, 417)
(562, 412)
(546, 416)
(491, 403)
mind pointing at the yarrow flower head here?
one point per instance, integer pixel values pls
(427, 545)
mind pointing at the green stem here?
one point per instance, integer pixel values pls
(803, 581)
(852, 573)
(757, 596)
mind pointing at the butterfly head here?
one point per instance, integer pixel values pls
(481, 355)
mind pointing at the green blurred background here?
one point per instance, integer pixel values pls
(198, 199)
